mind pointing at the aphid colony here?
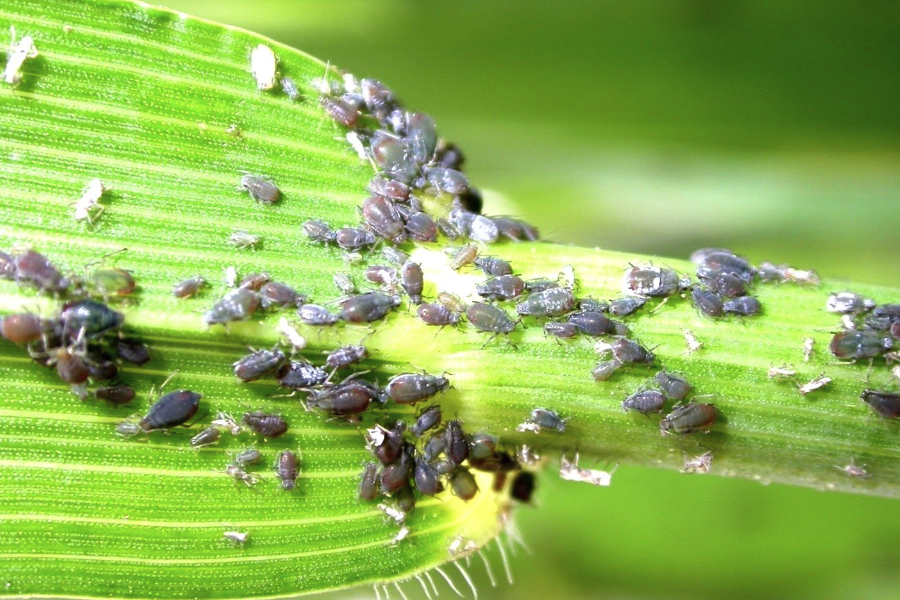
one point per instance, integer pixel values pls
(83, 341)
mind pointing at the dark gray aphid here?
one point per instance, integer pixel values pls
(769, 272)
(379, 99)
(368, 482)
(592, 323)
(447, 180)
(287, 468)
(645, 402)
(315, 314)
(688, 418)
(482, 229)
(450, 231)
(560, 330)
(726, 284)
(366, 308)
(504, 287)
(116, 395)
(515, 229)
(437, 314)
(395, 190)
(409, 388)
(745, 305)
(37, 269)
(352, 238)
(105, 370)
(280, 294)
(260, 189)
(265, 424)
(346, 398)
(250, 456)
(482, 445)
(189, 287)
(133, 351)
(236, 305)
(675, 388)
(698, 257)
(591, 305)
(382, 216)
(258, 364)
(886, 404)
(394, 256)
(386, 444)
(456, 445)
(878, 322)
(91, 317)
(413, 281)
(628, 351)
(393, 157)
(428, 420)
(549, 303)
(487, 318)
(318, 231)
(435, 446)
(426, 478)
(345, 356)
(290, 88)
(540, 285)
(301, 375)
(851, 345)
(421, 227)
(547, 419)
(341, 111)
(725, 262)
(421, 136)
(173, 409)
(495, 267)
(707, 302)
(207, 437)
(622, 307)
(655, 282)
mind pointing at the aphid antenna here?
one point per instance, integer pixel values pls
(103, 258)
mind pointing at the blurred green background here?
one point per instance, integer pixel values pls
(770, 127)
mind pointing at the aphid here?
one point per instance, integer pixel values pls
(343, 283)
(290, 88)
(675, 388)
(495, 267)
(207, 437)
(425, 477)
(622, 307)
(698, 257)
(604, 370)
(487, 318)
(368, 488)
(522, 487)
(315, 314)
(463, 484)
(802, 277)
(592, 323)
(243, 239)
(448, 300)
(886, 404)
(248, 456)
(450, 156)
(341, 111)
(88, 207)
(769, 272)
(628, 351)
(854, 471)
(819, 382)
(378, 97)
(549, 303)
(318, 231)
(428, 420)
(260, 189)
(707, 302)
(236, 537)
(173, 409)
(688, 418)
(351, 238)
(591, 305)
(345, 356)
(19, 52)
(115, 395)
(265, 424)
(725, 262)
(481, 229)
(396, 475)
(90, 316)
(450, 231)
(113, 282)
(287, 469)
(464, 256)
(275, 293)
(693, 344)
(540, 285)
(873, 321)
(239, 474)
(890, 311)
(482, 446)
(346, 398)
(413, 281)
(258, 364)
(393, 157)
(446, 180)
(560, 330)
(394, 256)
(382, 216)
(71, 368)
(410, 388)
(505, 287)
(7, 266)
(366, 308)
(386, 277)
(386, 444)
(744, 306)
(655, 282)
(726, 284)
(547, 419)
(698, 464)
(421, 135)
(421, 227)
(301, 375)
(436, 314)
(645, 402)
(255, 281)
(227, 421)
(105, 370)
(848, 303)
(23, 328)
(782, 372)
(236, 305)
(456, 445)
(389, 188)
(230, 277)
(263, 66)
(570, 471)
(36, 268)
(133, 351)
(851, 345)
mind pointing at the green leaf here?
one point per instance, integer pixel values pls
(144, 99)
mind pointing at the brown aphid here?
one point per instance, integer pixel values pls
(688, 418)
(254, 281)
(36, 268)
(265, 424)
(287, 469)
(133, 351)
(280, 294)
(113, 282)
(421, 227)
(437, 315)
(382, 216)
(368, 482)
(115, 395)
(386, 444)
(258, 364)
(189, 287)
(396, 475)
(413, 281)
(386, 277)
(345, 356)
(22, 328)
(260, 189)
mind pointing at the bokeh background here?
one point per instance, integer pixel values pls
(767, 126)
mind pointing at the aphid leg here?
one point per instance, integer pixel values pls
(660, 305)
